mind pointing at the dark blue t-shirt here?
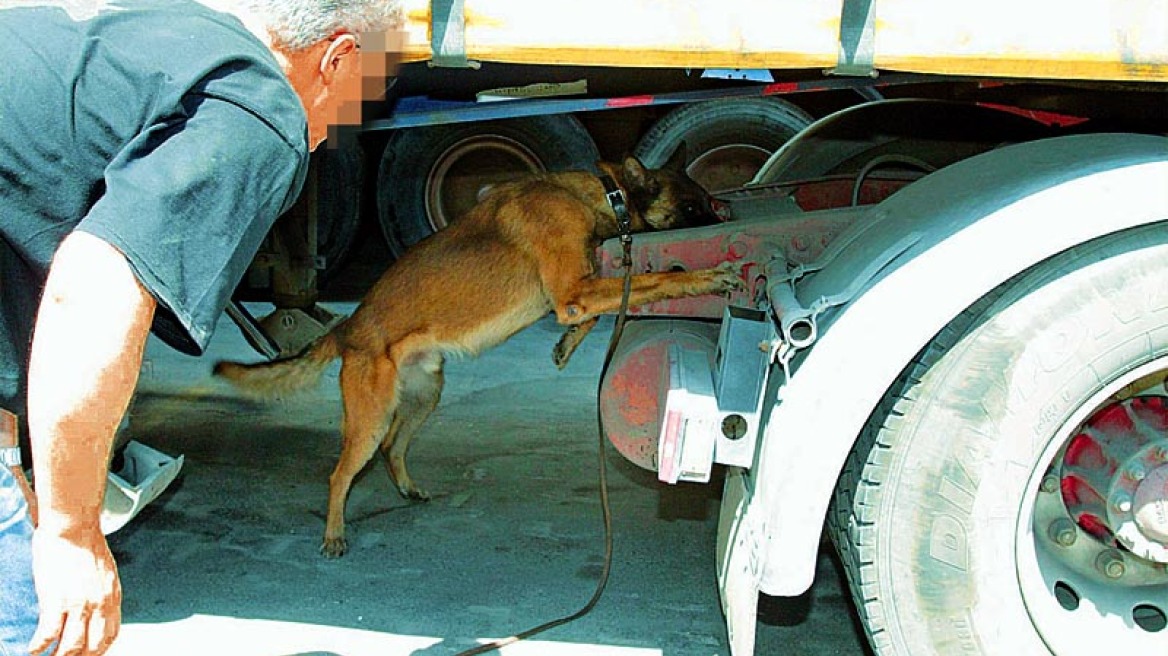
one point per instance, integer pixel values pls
(160, 126)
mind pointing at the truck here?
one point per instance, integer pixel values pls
(950, 357)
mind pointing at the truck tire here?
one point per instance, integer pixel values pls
(727, 140)
(965, 516)
(430, 176)
(339, 180)
(338, 173)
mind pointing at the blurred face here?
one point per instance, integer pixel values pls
(333, 76)
(340, 72)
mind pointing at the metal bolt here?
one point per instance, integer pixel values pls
(1136, 471)
(1063, 532)
(1110, 563)
(1124, 504)
(734, 427)
(1050, 483)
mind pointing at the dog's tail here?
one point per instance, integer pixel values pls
(281, 377)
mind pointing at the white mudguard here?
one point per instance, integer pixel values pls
(944, 242)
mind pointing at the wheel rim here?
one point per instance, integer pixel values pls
(1085, 577)
(469, 168)
(727, 167)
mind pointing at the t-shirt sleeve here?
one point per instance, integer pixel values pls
(188, 202)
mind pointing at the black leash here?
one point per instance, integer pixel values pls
(616, 199)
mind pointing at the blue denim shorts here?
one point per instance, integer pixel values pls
(18, 601)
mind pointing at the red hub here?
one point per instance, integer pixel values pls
(1114, 476)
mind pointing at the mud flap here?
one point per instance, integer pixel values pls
(738, 563)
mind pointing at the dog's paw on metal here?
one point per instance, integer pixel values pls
(727, 277)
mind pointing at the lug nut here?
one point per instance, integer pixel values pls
(1110, 563)
(1136, 471)
(1122, 501)
(1063, 532)
(1050, 484)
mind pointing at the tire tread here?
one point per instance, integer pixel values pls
(852, 519)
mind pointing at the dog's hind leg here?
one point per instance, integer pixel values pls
(369, 393)
(420, 388)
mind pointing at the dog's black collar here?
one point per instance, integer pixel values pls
(616, 200)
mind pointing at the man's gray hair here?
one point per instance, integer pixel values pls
(298, 24)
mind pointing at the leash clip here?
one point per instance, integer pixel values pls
(616, 200)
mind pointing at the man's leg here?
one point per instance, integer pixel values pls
(19, 610)
(18, 601)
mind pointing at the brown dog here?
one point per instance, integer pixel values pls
(526, 249)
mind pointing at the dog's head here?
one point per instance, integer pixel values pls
(667, 197)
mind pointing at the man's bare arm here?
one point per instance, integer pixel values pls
(87, 350)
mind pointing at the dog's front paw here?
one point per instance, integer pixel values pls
(334, 547)
(560, 357)
(564, 348)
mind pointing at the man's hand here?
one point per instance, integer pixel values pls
(79, 592)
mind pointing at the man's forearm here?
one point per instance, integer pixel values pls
(86, 354)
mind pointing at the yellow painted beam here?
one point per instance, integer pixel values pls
(1084, 39)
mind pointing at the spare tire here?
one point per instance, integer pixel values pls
(727, 140)
(430, 176)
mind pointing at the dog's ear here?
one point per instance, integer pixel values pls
(638, 177)
(677, 160)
